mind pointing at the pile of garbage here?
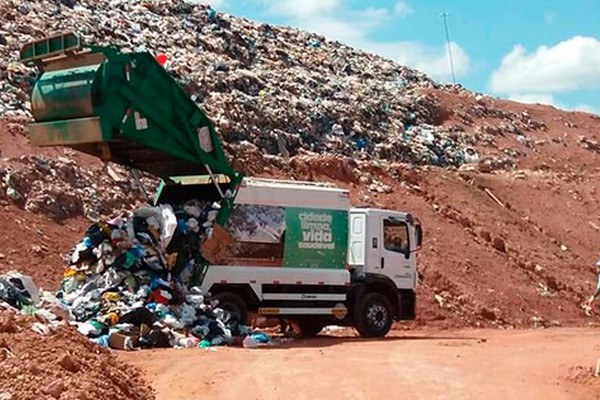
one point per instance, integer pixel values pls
(132, 280)
(279, 90)
(130, 284)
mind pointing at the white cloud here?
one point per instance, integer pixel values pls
(587, 108)
(569, 65)
(376, 13)
(402, 9)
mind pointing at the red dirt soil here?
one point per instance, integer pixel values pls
(35, 245)
(64, 365)
(426, 364)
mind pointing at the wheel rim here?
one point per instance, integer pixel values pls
(377, 316)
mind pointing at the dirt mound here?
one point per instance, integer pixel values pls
(584, 377)
(62, 365)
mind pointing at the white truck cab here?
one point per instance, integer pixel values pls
(382, 242)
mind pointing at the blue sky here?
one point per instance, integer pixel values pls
(533, 51)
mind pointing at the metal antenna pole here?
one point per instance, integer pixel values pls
(445, 16)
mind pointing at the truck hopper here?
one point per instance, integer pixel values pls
(124, 108)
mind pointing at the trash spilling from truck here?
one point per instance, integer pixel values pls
(130, 282)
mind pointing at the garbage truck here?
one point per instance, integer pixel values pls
(292, 250)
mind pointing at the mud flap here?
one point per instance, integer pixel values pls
(407, 304)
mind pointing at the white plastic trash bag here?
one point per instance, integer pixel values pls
(168, 225)
(24, 284)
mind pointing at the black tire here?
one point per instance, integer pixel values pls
(310, 328)
(374, 316)
(235, 306)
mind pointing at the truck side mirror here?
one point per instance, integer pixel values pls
(419, 232)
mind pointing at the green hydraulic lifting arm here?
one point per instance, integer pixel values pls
(125, 108)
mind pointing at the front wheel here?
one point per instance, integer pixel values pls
(374, 316)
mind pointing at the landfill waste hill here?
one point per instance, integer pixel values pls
(270, 90)
(507, 192)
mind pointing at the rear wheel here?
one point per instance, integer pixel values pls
(374, 316)
(235, 306)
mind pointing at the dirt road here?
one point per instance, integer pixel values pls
(471, 364)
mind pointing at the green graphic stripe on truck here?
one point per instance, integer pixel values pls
(315, 238)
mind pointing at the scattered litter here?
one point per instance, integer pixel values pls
(132, 279)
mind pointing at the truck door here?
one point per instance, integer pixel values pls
(396, 259)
